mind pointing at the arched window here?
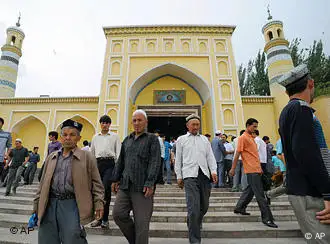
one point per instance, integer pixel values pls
(270, 35)
(279, 32)
(13, 39)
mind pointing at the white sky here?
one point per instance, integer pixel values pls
(73, 28)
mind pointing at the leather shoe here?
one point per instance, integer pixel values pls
(270, 224)
(241, 212)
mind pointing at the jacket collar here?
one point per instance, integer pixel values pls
(77, 152)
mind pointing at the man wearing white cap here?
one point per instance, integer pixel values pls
(219, 151)
(193, 163)
(307, 156)
(19, 157)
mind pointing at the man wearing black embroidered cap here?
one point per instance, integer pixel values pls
(69, 191)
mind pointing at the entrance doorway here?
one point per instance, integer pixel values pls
(169, 126)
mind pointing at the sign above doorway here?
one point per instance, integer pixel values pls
(169, 97)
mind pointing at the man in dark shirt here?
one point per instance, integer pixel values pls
(308, 181)
(19, 156)
(53, 146)
(32, 166)
(135, 177)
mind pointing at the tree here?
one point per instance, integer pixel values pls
(253, 80)
(298, 56)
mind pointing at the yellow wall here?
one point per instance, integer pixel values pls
(322, 107)
(264, 113)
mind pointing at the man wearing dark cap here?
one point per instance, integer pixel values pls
(105, 146)
(70, 191)
(195, 168)
(306, 155)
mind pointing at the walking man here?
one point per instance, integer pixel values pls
(53, 146)
(105, 147)
(247, 147)
(19, 157)
(219, 153)
(193, 164)
(134, 181)
(69, 192)
(5, 144)
(307, 156)
(32, 166)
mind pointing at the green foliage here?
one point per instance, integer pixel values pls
(253, 79)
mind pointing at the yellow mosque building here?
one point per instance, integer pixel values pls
(169, 71)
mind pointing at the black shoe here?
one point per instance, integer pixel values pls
(7, 194)
(96, 223)
(270, 224)
(241, 212)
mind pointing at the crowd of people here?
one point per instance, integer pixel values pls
(76, 183)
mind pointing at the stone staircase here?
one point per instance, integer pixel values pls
(169, 218)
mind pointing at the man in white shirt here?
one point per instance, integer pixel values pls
(86, 146)
(105, 147)
(240, 176)
(262, 150)
(228, 160)
(193, 163)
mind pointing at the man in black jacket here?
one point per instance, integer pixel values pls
(308, 181)
(134, 181)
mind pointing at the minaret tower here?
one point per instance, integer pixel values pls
(279, 60)
(11, 53)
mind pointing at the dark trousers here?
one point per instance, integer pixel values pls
(61, 224)
(255, 188)
(30, 172)
(106, 167)
(197, 192)
(137, 231)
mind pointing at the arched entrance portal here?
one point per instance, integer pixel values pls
(32, 131)
(169, 93)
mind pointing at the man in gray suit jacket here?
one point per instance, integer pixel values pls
(219, 154)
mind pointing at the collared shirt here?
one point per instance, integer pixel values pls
(62, 178)
(106, 145)
(262, 150)
(139, 162)
(278, 163)
(248, 149)
(218, 149)
(5, 142)
(235, 148)
(54, 146)
(229, 148)
(194, 152)
(34, 158)
(306, 170)
(162, 147)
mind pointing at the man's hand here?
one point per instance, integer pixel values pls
(180, 183)
(148, 191)
(214, 178)
(232, 172)
(6, 166)
(115, 187)
(324, 215)
(99, 213)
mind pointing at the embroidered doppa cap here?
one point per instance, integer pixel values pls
(218, 132)
(19, 140)
(294, 75)
(72, 123)
(193, 116)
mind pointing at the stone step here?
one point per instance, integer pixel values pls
(179, 230)
(32, 238)
(176, 217)
(158, 207)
